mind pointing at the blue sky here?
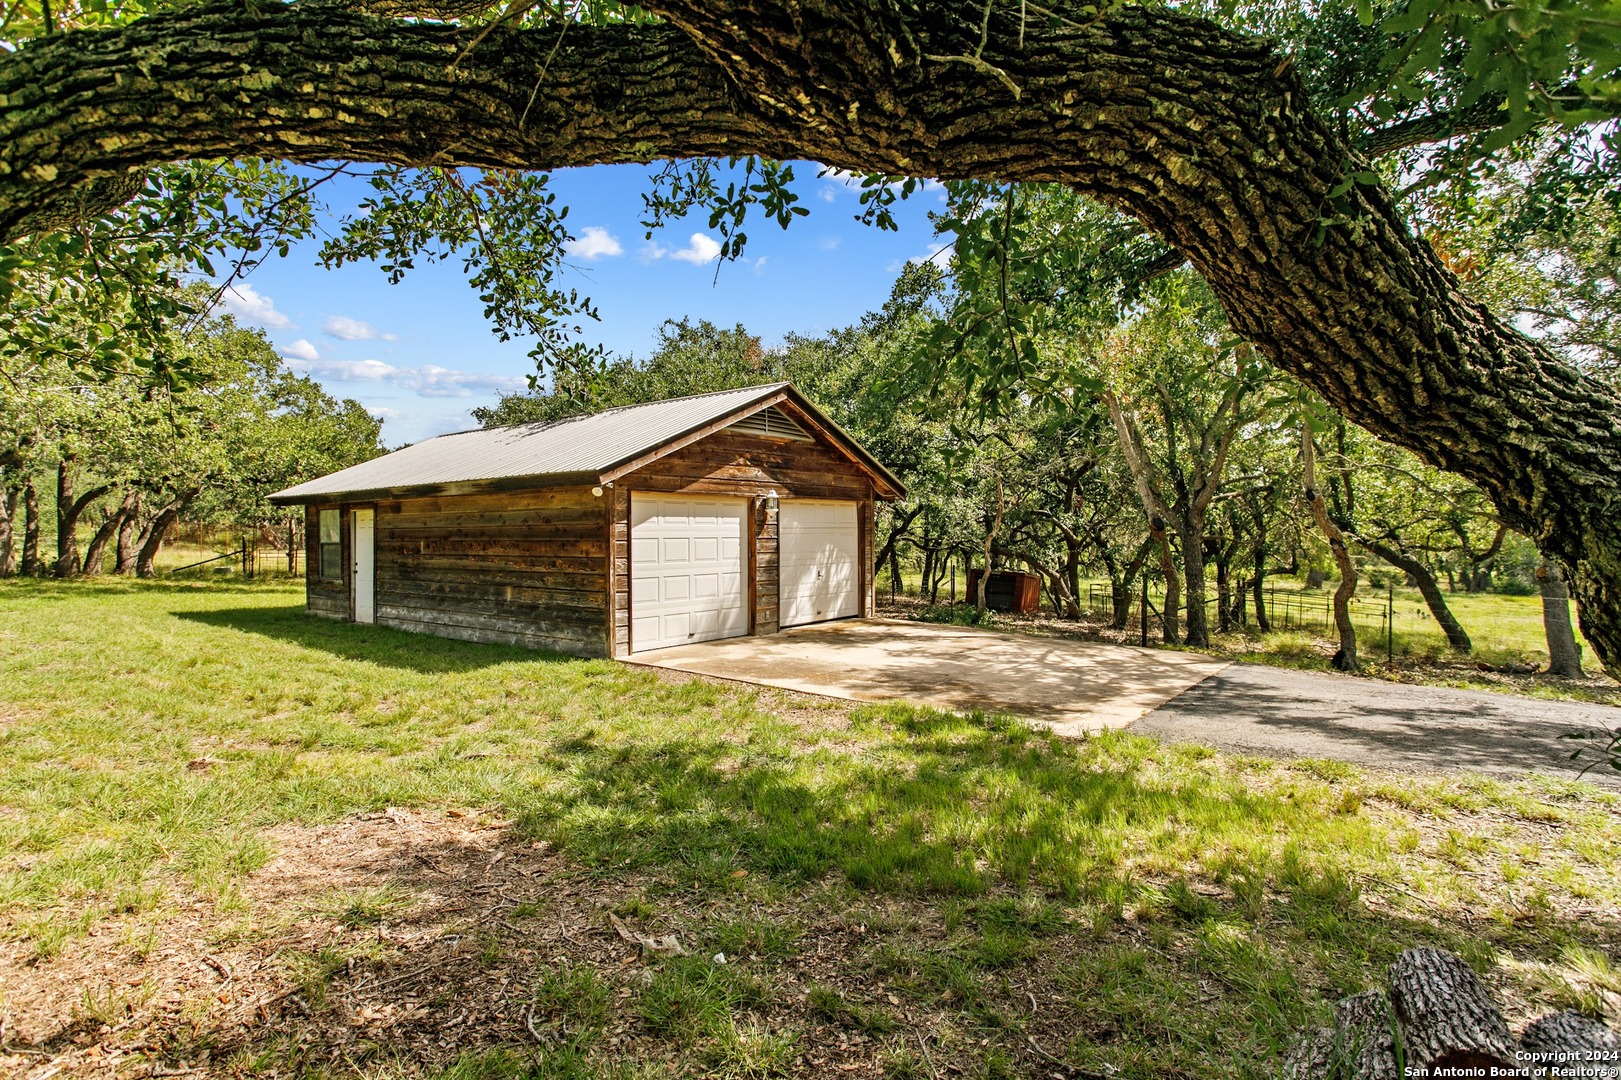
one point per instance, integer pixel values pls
(420, 354)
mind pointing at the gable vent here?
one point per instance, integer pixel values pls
(772, 423)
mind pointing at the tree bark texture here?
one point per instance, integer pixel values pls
(8, 523)
(95, 553)
(1563, 656)
(1428, 587)
(1200, 133)
(31, 566)
(124, 554)
(1446, 1015)
(157, 530)
(69, 509)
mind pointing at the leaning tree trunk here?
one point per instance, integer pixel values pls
(95, 554)
(1428, 587)
(1345, 659)
(1201, 133)
(1564, 658)
(157, 530)
(31, 564)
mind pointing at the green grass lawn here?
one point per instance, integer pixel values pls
(1175, 911)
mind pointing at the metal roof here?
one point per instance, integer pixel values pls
(577, 447)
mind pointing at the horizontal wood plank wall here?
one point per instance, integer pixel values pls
(728, 463)
(513, 568)
(329, 599)
(621, 571)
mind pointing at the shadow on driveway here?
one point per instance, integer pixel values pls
(1280, 713)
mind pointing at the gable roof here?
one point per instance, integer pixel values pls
(597, 448)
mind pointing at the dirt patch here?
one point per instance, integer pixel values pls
(408, 939)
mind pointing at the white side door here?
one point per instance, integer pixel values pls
(686, 570)
(819, 563)
(365, 565)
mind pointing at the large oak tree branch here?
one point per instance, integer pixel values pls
(1197, 132)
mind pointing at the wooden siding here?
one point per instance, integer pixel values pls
(734, 463)
(767, 582)
(619, 569)
(730, 463)
(550, 567)
(519, 568)
(329, 599)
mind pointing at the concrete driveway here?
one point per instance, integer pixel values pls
(1078, 687)
(1073, 687)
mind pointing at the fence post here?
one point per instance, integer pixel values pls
(1145, 610)
(1390, 623)
(953, 583)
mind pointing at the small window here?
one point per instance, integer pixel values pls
(331, 537)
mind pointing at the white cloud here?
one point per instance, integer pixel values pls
(829, 243)
(430, 380)
(383, 412)
(344, 328)
(700, 249)
(246, 302)
(940, 257)
(300, 350)
(594, 242)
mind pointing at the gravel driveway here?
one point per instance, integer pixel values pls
(1247, 708)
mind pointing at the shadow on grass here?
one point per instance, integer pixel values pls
(368, 644)
(1193, 981)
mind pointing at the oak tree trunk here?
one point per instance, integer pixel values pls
(124, 557)
(31, 565)
(157, 530)
(1199, 132)
(8, 521)
(1345, 659)
(1423, 578)
(68, 512)
(1198, 623)
(1564, 658)
(1446, 1016)
(95, 554)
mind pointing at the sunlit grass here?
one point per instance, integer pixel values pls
(1205, 905)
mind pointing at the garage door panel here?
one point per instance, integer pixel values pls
(820, 570)
(687, 579)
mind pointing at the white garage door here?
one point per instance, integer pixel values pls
(686, 570)
(820, 563)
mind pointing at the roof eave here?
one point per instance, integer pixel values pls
(454, 487)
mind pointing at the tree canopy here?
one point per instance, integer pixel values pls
(1282, 176)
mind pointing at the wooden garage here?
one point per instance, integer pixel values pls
(739, 512)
